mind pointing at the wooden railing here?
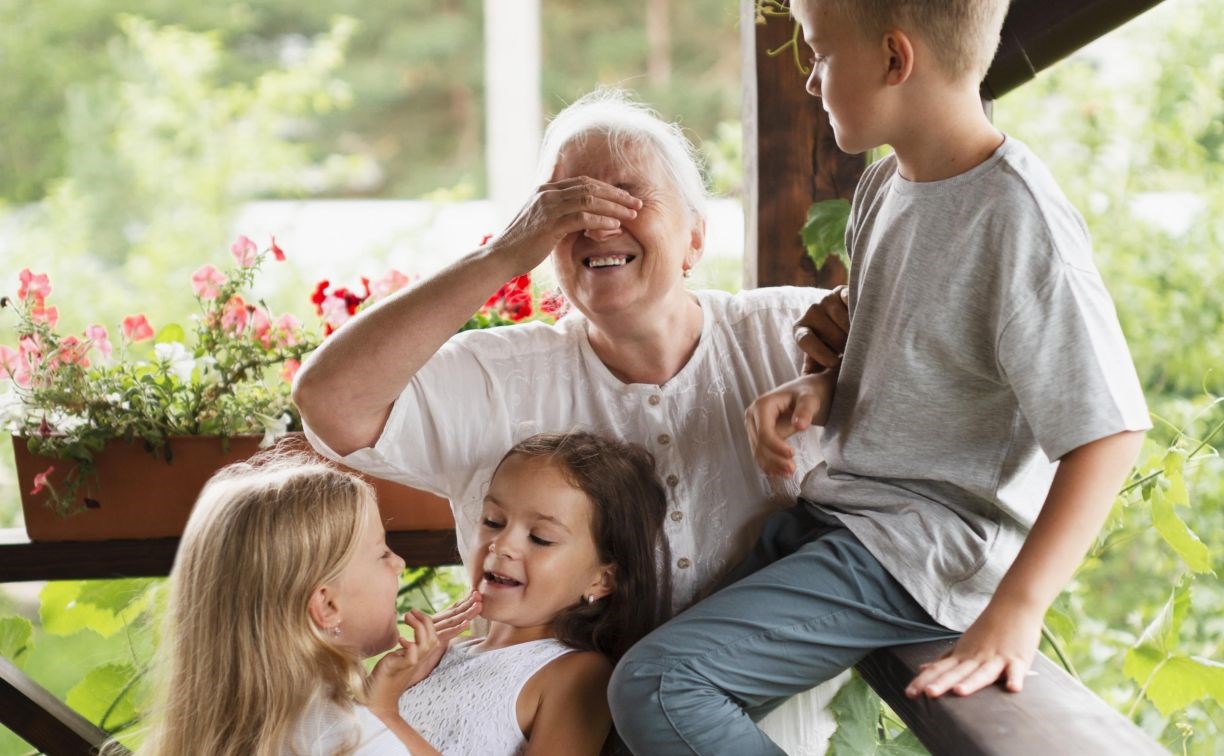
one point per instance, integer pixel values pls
(1054, 714)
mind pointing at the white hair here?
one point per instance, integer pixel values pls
(625, 122)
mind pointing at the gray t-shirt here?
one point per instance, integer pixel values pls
(982, 347)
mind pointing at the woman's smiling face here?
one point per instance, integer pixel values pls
(535, 553)
(606, 273)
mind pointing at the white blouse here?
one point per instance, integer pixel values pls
(486, 390)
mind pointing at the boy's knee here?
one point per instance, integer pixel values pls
(633, 690)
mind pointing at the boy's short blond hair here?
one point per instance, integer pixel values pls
(963, 34)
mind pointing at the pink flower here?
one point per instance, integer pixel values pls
(71, 351)
(137, 328)
(290, 369)
(391, 281)
(277, 252)
(234, 316)
(207, 282)
(289, 330)
(244, 251)
(38, 284)
(42, 314)
(335, 311)
(40, 481)
(261, 328)
(100, 339)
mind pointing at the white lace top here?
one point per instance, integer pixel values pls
(467, 705)
(486, 390)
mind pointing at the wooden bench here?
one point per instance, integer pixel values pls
(1054, 714)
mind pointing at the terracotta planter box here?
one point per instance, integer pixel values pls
(139, 495)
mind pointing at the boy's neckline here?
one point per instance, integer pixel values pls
(903, 185)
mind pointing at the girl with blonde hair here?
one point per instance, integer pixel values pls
(282, 584)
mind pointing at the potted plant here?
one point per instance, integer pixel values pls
(115, 438)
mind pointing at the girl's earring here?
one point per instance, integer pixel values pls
(335, 631)
(591, 599)
(688, 272)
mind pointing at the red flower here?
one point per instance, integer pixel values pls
(40, 481)
(137, 328)
(277, 252)
(554, 304)
(319, 295)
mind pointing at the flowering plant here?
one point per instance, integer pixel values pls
(70, 394)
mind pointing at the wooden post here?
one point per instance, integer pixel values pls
(790, 159)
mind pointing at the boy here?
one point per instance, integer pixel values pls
(982, 348)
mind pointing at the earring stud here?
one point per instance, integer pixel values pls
(335, 631)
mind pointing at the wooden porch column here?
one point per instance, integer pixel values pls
(790, 159)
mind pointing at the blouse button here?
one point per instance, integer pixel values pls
(677, 515)
(654, 400)
(683, 563)
(672, 480)
(664, 439)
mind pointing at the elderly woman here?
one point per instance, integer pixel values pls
(397, 394)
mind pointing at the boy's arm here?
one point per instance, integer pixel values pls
(1004, 638)
(790, 408)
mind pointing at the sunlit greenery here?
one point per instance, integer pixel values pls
(134, 130)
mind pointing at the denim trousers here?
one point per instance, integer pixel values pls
(809, 602)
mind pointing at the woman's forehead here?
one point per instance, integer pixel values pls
(627, 163)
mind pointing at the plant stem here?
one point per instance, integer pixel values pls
(1058, 651)
(126, 689)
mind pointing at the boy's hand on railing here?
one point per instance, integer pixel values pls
(789, 409)
(1000, 644)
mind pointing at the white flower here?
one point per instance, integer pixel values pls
(175, 357)
(13, 412)
(274, 428)
(208, 369)
(63, 422)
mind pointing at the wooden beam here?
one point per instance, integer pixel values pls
(42, 720)
(21, 559)
(1053, 714)
(790, 158)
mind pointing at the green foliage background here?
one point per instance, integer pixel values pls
(134, 129)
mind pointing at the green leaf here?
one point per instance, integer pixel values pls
(1175, 531)
(101, 689)
(1059, 622)
(856, 708)
(1159, 639)
(16, 635)
(1174, 463)
(64, 612)
(824, 233)
(114, 595)
(169, 333)
(1182, 680)
(905, 744)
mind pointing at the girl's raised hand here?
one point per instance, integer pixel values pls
(453, 620)
(560, 208)
(406, 666)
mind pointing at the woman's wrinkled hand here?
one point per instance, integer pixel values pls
(575, 205)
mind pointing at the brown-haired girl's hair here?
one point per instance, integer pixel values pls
(629, 505)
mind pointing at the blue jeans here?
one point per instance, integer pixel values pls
(808, 603)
